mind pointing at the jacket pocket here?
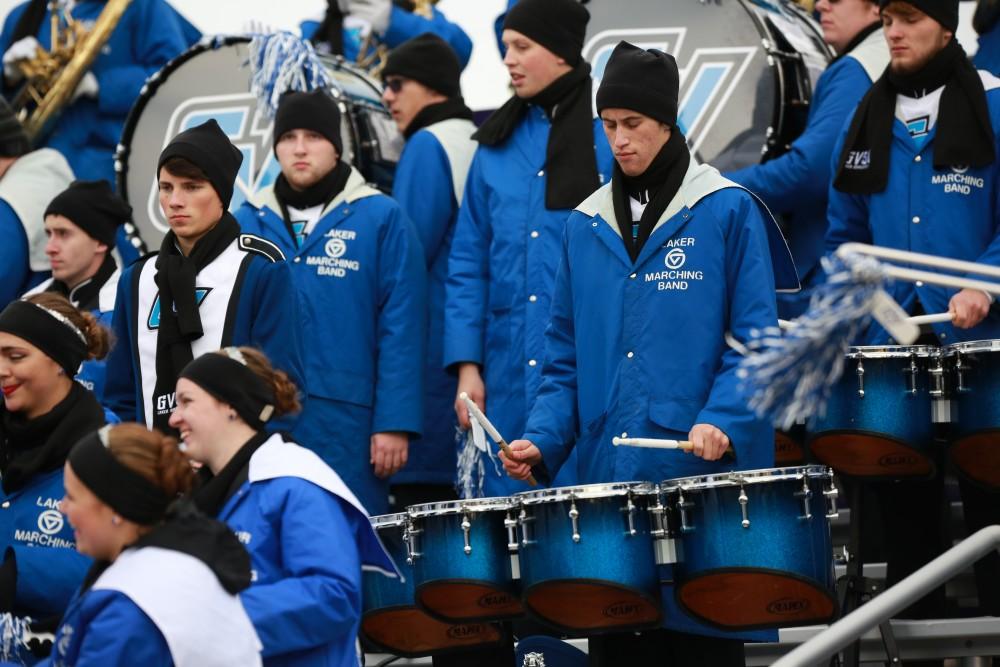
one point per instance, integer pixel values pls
(342, 386)
(676, 414)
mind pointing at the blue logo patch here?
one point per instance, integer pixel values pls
(918, 126)
(153, 321)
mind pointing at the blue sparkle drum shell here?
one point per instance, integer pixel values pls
(878, 420)
(973, 370)
(753, 547)
(391, 621)
(463, 567)
(587, 559)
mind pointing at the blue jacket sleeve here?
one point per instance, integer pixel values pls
(120, 389)
(423, 188)
(402, 315)
(847, 214)
(404, 25)
(553, 419)
(751, 306)
(47, 577)
(802, 175)
(160, 38)
(467, 288)
(318, 600)
(13, 256)
(119, 634)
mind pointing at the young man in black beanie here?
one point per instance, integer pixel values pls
(539, 155)
(656, 268)
(210, 286)
(28, 182)
(917, 170)
(358, 270)
(423, 94)
(81, 223)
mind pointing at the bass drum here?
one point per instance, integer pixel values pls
(747, 69)
(212, 80)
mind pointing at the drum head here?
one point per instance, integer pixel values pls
(212, 80)
(977, 456)
(463, 601)
(410, 633)
(592, 606)
(870, 455)
(788, 448)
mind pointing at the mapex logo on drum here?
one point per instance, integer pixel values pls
(788, 606)
(708, 75)
(624, 609)
(494, 600)
(466, 631)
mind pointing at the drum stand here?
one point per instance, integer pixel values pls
(854, 589)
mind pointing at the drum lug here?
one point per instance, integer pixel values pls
(861, 379)
(911, 371)
(960, 368)
(466, 529)
(831, 493)
(524, 520)
(629, 511)
(937, 378)
(574, 516)
(510, 523)
(744, 502)
(806, 495)
(658, 512)
(683, 506)
(410, 534)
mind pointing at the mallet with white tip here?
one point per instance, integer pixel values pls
(491, 431)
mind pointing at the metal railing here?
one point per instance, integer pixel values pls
(892, 601)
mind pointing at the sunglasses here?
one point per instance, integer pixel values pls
(395, 84)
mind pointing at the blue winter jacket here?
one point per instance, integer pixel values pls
(988, 54)
(49, 568)
(16, 276)
(429, 183)
(795, 184)
(919, 210)
(500, 273)
(307, 547)
(361, 287)
(637, 348)
(257, 313)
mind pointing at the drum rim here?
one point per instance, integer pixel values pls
(448, 507)
(891, 351)
(748, 477)
(985, 345)
(393, 520)
(585, 491)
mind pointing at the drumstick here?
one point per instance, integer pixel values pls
(915, 319)
(491, 431)
(658, 443)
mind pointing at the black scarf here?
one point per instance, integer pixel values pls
(30, 21)
(85, 296)
(453, 107)
(964, 132)
(656, 186)
(214, 491)
(322, 192)
(180, 321)
(858, 38)
(569, 156)
(32, 447)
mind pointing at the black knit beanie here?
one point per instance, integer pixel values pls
(207, 147)
(640, 80)
(944, 12)
(429, 60)
(558, 25)
(13, 141)
(93, 207)
(315, 111)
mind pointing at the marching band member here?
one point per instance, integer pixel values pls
(209, 285)
(423, 94)
(656, 267)
(917, 170)
(308, 536)
(43, 340)
(80, 224)
(795, 184)
(539, 155)
(28, 182)
(356, 264)
(164, 584)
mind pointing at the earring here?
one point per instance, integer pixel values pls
(115, 520)
(61, 371)
(232, 416)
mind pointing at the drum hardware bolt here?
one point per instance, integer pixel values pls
(629, 510)
(510, 523)
(574, 516)
(937, 379)
(861, 379)
(410, 534)
(524, 520)
(912, 373)
(831, 494)
(683, 506)
(466, 529)
(960, 368)
(806, 495)
(658, 511)
(744, 501)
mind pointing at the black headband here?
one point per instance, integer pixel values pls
(47, 330)
(119, 487)
(227, 377)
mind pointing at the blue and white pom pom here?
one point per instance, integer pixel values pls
(788, 376)
(281, 62)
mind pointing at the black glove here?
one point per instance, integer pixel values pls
(41, 647)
